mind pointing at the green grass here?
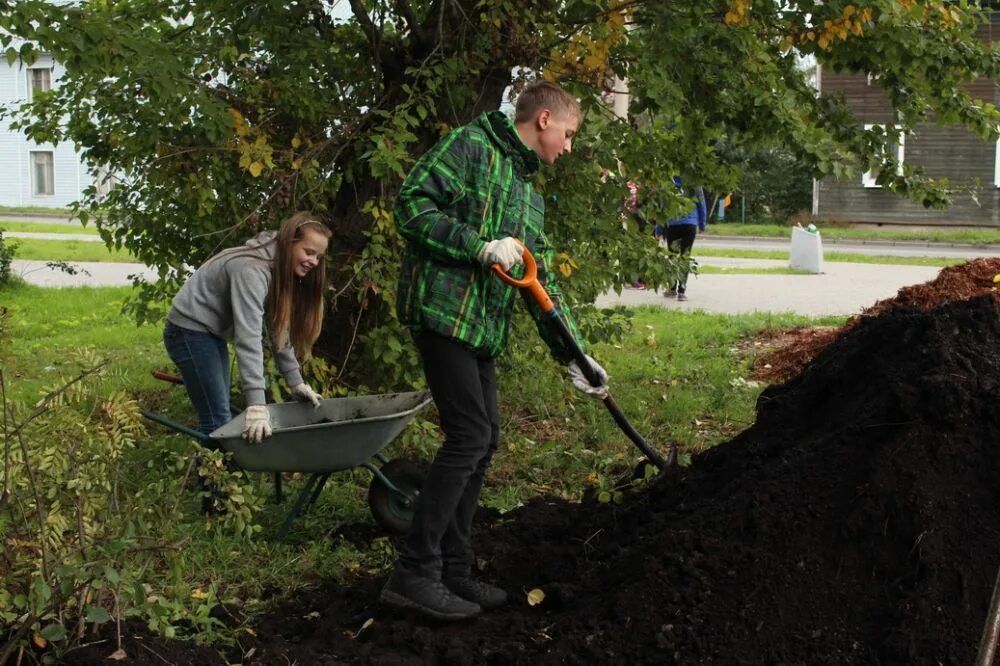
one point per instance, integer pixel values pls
(847, 257)
(34, 209)
(46, 228)
(747, 270)
(69, 250)
(678, 376)
(962, 236)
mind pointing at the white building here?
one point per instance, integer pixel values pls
(34, 174)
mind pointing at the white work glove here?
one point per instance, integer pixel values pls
(303, 393)
(580, 380)
(506, 252)
(256, 424)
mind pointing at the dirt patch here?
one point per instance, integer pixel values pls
(854, 522)
(793, 350)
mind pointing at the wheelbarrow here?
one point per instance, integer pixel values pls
(340, 434)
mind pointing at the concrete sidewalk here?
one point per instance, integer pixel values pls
(91, 274)
(844, 289)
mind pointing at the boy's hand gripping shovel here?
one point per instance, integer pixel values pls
(537, 292)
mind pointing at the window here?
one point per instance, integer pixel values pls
(39, 80)
(996, 165)
(868, 178)
(42, 173)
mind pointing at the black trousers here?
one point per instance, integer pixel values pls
(680, 240)
(465, 392)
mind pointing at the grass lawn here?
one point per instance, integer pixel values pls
(69, 250)
(34, 209)
(47, 228)
(933, 235)
(828, 256)
(678, 376)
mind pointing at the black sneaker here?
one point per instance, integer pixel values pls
(426, 595)
(486, 595)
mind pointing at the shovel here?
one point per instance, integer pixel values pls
(537, 292)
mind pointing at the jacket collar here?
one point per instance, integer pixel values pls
(501, 130)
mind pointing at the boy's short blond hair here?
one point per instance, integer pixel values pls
(545, 95)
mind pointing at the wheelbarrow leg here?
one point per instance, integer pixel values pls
(317, 491)
(277, 488)
(303, 496)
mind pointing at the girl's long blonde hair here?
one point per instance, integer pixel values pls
(294, 304)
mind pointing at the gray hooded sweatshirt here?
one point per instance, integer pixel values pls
(226, 297)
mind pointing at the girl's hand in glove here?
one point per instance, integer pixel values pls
(581, 382)
(303, 393)
(506, 252)
(257, 424)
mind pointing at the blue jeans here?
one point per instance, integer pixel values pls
(203, 360)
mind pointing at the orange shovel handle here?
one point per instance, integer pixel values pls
(529, 281)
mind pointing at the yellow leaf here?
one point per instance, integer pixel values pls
(566, 269)
(198, 593)
(256, 168)
(535, 597)
(996, 278)
(39, 641)
(296, 142)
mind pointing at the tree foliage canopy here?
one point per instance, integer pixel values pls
(219, 118)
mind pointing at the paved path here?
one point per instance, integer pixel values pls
(843, 289)
(92, 274)
(87, 238)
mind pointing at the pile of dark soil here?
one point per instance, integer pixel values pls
(855, 522)
(954, 283)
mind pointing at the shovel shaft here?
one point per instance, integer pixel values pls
(529, 282)
(559, 325)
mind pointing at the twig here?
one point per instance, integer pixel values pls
(354, 337)
(6, 443)
(154, 652)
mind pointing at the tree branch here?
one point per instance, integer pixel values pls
(365, 21)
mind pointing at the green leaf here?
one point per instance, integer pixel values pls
(53, 632)
(97, 614)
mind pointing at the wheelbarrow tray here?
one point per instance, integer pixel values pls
(339, 434)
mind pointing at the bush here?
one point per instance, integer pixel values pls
(81, 527)
(7, 250)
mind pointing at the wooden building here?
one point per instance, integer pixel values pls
(943, 151)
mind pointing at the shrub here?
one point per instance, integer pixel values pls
(7, 250)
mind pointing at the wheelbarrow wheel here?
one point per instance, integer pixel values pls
(392, 510)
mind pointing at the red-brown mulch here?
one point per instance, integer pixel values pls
(794, 348)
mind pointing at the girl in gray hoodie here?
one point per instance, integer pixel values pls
(272, 285)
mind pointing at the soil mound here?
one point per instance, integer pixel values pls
(954, 283)
(855, 522)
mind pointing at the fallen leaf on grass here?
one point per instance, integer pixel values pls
(118, 655)
(39, 641)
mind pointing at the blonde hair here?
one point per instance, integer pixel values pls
(541, 95)
(294, 304)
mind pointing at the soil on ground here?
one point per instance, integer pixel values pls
(793, 348)
(856, 522)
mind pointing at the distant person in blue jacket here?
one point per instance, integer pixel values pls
(681, 232)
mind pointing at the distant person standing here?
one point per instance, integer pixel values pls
(681, 232)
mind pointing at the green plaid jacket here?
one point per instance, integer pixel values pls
(472, 187)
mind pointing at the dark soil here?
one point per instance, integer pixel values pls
(796, 347)
(855, 522)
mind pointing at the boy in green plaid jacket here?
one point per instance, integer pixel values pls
(464, 207)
